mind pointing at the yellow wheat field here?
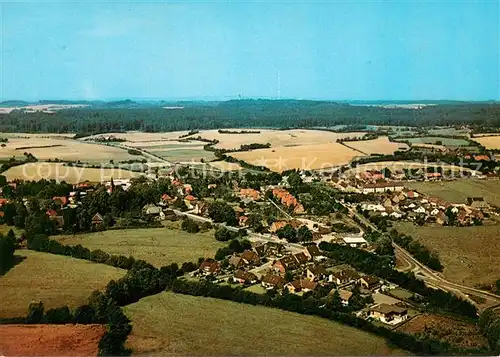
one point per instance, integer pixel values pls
(489, 142)
(59, 172)
(381, 145)
(276, 138)
(305, 157)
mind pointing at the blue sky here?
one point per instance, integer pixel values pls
(323, 50)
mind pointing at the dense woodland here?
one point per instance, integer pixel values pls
(150, 117)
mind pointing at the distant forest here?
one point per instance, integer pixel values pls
(151, 117)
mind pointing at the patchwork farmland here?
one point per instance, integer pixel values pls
(467, 253)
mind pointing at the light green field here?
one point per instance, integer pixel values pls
(457, 191)
(180, 155)
(469, 254)
(53, 279)
(158, 246)
(435, 139)
(447, 131)
(173, 324)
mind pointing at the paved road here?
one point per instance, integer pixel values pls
(252, 237)
(436, 279)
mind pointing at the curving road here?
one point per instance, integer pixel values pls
(433, 278)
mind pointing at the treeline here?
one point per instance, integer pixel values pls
(222, 131)
(7, 164)
(7, 249)
(383, 267)
(417, 250)
(143, 280)
(245, 114)
(489, 323)
(100, 309)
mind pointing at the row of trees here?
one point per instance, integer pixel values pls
(309, 305)
(106, 117)
(100, 309)
(417, 250)
(7, 249)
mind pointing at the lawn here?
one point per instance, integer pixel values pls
(469, 254)
(53, 279)
(158, 246)
(436, 139)
(457, 191)
(174, 324)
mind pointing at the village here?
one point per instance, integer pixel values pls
(282, 266)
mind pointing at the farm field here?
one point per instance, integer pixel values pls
(308, 157)
(457, 191)
(226, 166)
(381, 145)
(158, 246)
(434, 140)
(400, 165)
(175, 324)
(277, 138)
(44, 148)
(489, 142)
(139, 136)
(50, 340)
(60, 172)
(183, 154)
(469, 254)
(53, 279)
(449, 131)
(458, 333)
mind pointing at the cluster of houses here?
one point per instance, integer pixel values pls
(272, 267)
(412, 206)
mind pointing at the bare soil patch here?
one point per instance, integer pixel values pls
(50, 340)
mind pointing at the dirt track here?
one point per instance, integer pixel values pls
(50, 340)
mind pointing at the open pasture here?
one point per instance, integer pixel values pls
(53, 279)
(50, 340)
(489, 142)
(381, 146)
(158, 246)
(277, 138)
(183, 154)
(437, 140)
(139, 136)
(469, 254)
(44, 170)
(307, 157)
(457, 191)
(174, 324)
(45, 148)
